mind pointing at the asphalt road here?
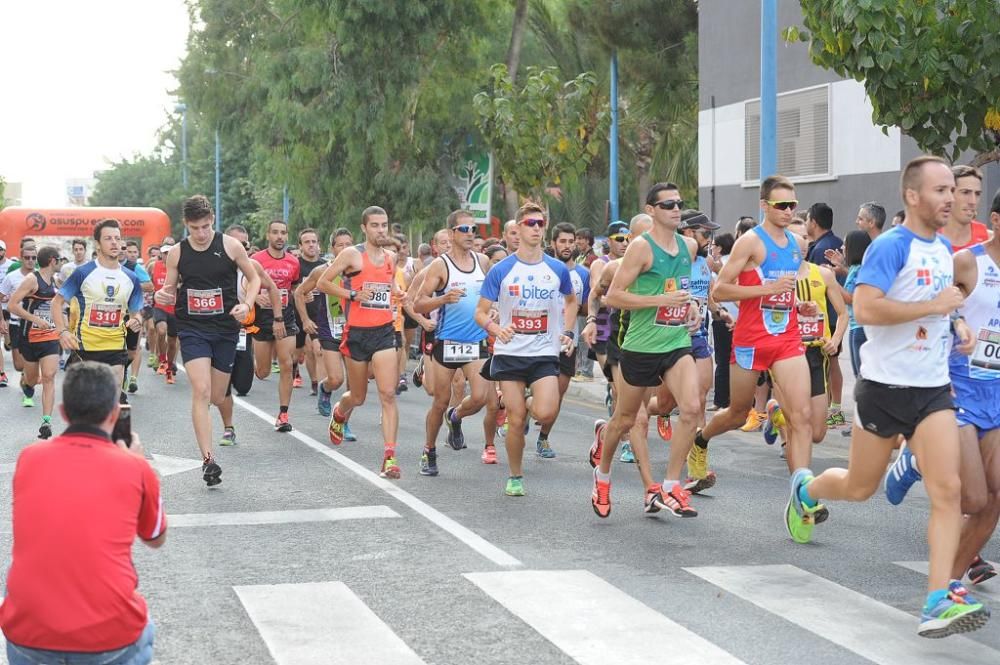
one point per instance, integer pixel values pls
(304, 556)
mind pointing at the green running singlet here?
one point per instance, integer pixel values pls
(660, 329)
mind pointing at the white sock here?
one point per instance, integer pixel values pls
(669, 484)
(603, 477)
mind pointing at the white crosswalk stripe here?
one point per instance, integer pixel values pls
(595, 623)
(873, 630)
(979, 592)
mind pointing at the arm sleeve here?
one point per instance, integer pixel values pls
(152, 518)
(883, 261)
(141, 273)
(565, 283)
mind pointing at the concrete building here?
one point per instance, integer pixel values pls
(827, 143)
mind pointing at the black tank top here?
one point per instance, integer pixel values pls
(207, 290)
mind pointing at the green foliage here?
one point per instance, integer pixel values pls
(543, 130)
(926, 65)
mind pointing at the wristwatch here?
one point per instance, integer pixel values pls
(354, 294)
(279, 319)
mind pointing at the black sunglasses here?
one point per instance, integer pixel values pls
(669, 204)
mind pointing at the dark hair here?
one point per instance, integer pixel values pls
(456, 215)
(197, 207)
(876, 212)
(901, 214)
(81, 242)
(744, 225)
(105, 224)
(565, 227)
(25, 240)
(913, 172)
(655, 190)
(132, 243)
(822, 214)
(339, 232)
(995, 206)
(46, 255)
(725, 243)
(236, 227)
(397, 228)
(584, 232)
(964, 171)
(306, 230)
(772, 183)
(90, 392)
(276, 221)
(855, 244)
(371, 211)
(493, 249)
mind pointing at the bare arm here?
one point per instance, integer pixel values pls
(742, 258)
(236, 251)
(416, 285)
(426, 302)
(307, 286)
(347, 259)
(833, 294)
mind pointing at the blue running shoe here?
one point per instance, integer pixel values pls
(775, 420)
(627, 455)
(957, 612)
(901, 476)
(348, 434)
(542, 447)
(323, 402)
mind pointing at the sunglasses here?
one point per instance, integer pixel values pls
(28, 257)
(621, 237)
(669, 205)
(533, 222)
(783, 205)
(706, 233)
(464, 228)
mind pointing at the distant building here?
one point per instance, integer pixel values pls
(11, 194)
(78, 190)
(827, 143)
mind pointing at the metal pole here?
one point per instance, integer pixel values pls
(613, 140)
(218, 182)
(768, 88)
(284, 204)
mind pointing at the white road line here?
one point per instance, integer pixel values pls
(873, 630)
(978, 592)
(281, 516)
(595, 623)
(465, 535)
(322, 623)
(167, 465)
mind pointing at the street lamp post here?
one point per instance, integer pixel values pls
(182, 109)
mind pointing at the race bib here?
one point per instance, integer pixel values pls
(782, 302)
(530, 321)
(380, 295)
(812, 328)
(204, 302)
(105, 315)
(460, 352)
(241, 342)
(284, 298)
(675, 315)
(984, 363)
(337, 327)
(43, 311)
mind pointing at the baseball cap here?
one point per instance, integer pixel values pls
(3, 245)
(696, 219)
(617, 226)
(165, 248)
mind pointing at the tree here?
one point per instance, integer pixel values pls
(544, 131)
(924, 64)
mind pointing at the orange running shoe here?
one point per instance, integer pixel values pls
(595, 448)
(336, 428)
(489, 455)
(600, 498)
(297, 382)
(676, 502)
(755, 420)
(664, 427)
(162, 369)
(170, 377)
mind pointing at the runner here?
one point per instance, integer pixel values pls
(32, 303)
(9, 283)
(496, 415)
(202, 283)
(653, 284)
(369, 339)
(165, 320)
(564, 246)
(130, 260)
(79, 258)
(328, 327)
(284, 269)
(962, 230)
(101, 295)
(306, 347)
(452, 288)
(760, 275)
(904, 296)
(529, 288)
(4, 329)
(618, 239)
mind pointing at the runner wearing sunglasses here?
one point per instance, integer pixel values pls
(8, 285)
(535, 299)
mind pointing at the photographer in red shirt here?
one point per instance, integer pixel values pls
(80, 500)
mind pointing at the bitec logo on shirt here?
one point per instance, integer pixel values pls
(530, 292)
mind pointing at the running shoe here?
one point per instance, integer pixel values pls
(542, 447)
(456, 439)
(27, 402)
(429, 462)
(627, 455)
(775, 420)
(336, 428)
(901, 476)
(650, 506)
(133, 385)
(228, 437)
(390, 469)
(348, 434)
(403, 386)
(697, 462)
(297, 382)
(45, 431)
(664, 427)
(171, 377)
(489, 455)
(275, 368)
(313, 389)
(151, 361)
(980, 570)
(800, 520)
(835, 419)
(211, 472)
(600, 497)
(418, 373)
(324, 402)
(162, 368)
(958, 612)
(3, 379)
(282, 424)
(697, 485)
(515, 486)
(754, 421)
(676, 501)
(595, 448)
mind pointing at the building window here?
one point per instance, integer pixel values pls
(803, 134)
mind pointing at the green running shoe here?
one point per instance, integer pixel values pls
(27, 402)
(515, 486)
(800, 520)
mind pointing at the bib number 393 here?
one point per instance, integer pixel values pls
(105, 315)
(530, 321)
(204, 302)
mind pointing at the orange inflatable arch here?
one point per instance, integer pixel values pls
(60, 225)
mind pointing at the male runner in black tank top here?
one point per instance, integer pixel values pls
(208, 315)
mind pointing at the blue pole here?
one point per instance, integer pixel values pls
(613, 139)
(284, 204)
(768, 88)
(218, 182)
